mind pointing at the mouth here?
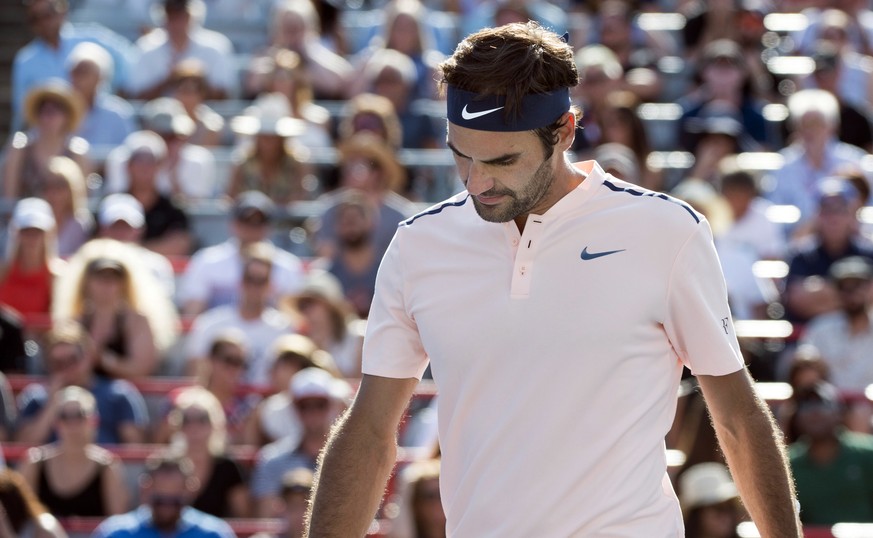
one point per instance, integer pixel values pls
(490, 200)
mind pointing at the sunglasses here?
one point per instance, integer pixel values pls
(39, 16)
(255, 281)
(311, 404)
(195, 418)
(60, 363)
(235, 361)
(170, 501)
(70, 416)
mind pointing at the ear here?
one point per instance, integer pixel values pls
(566, 133)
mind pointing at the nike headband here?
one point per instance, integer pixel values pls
(485, 112)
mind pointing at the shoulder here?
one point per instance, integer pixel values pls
(115, 388)
(858, 442)
(78, 146)
(615, 193)
(226, 252)
(206, 523)
(216, 316)
(441, 212)
(116, 105)
(26, 54)
(100, 455)
(40, 454)
(122, 524)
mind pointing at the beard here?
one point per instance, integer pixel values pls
(517, 203)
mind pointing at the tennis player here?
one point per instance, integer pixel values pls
(556, 306)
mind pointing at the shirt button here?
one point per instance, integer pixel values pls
(523, 269)
(515, 242)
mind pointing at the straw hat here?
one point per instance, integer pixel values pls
(705, 484)
(369, 146)
(59, 91)
(270, 114)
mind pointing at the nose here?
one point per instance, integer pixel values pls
(475, 179)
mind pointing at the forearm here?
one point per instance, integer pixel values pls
(755, 452)
(353, 470)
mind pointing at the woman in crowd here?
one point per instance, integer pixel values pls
(53, 112)
(66, 193)
(710, 502)
(276, 416)
(284, 73)
(21, 514)
(269, 162)
(190, 87)
(199, 428)
(74, 476)
(32, 262)
(620, 124)
(329, 320)
(417, 511)
(121, 306)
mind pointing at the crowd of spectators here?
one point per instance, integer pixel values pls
(188, 202)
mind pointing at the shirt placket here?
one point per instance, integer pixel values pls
(524, 250)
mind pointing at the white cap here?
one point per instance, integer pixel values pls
(121, 206)
(146, 142)
(705, 484)
(318, 383)
(33, 213)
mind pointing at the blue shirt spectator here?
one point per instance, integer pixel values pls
(138, 524)
(46, 56)
(118, 402)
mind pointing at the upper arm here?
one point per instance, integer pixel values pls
(115, 499)
(380, 404)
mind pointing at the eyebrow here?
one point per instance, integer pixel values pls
(497, 160)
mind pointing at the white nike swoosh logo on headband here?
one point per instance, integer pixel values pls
(473, 115)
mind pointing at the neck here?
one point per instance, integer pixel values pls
(249, 310)
(222, 391)
(825, 449)
(859, 322)
(31, 262)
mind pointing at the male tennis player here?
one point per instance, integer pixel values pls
(556, 306)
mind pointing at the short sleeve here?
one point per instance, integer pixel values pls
(392, 346)
(130, 405)
(698, 319)
(194, 284)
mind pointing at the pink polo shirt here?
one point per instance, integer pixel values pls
(557, 354)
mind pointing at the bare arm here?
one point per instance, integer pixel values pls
(755, 452)
(142, 359)
(358, 458)
(115, 492)
(12, 172)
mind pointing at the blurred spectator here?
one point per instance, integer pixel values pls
(319, 399)
(619, 123)
(21, 513)
(199, 424)
(713, 136)
(391, 73)
(833, 468)
(855, 23)
(368, 112)
(807, 291)
(67, 194)
(189, 86)
(120, 305)
(284, 73)
(710, 501)
(417, 511)
(168, 485)
(845, 337)
(46, 55)
(269, 162)
(478, 14)
(815, 152)
(73, 476)
(276, 418)
(855, 84)
(8, 412)
(53, 112)
(167, 230)
(67, 356)
(295, 26)
(294, 496)
(31, 262)
(750, 227)
(329, 320)
(213, 274)
(854, 126)
(637, 50)
(405, 30)
(121, 218)
(252, 315)
(366, 164)
(618, 160)
(600, 75)
(357, 257)
(108, 118)
(13, 357)
(806, 368)
(724, 85)
(182, 37)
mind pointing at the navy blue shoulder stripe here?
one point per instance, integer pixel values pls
(652, 194)
(434, 211)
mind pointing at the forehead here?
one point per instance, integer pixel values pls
(168, 481)
(487, 145)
